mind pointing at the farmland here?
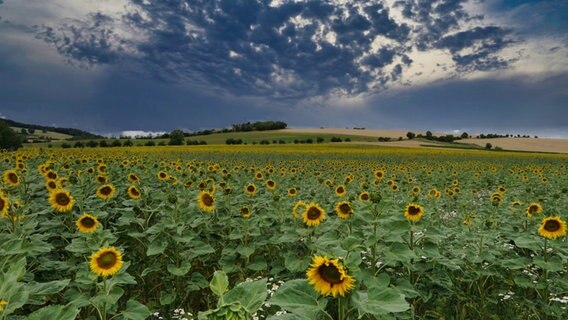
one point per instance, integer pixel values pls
(283, 232)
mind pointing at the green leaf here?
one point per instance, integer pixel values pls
(156, 247)
(245, 251)
(200, 249)
(17, 270)
(379, 301)
(295, 264)
(251, 295)
(258, 264)
(298, 297)
(52, 287)
(182, 270)
(220, 283)
(167, 297)
(58, 312)
(199, 280)
(135, 311)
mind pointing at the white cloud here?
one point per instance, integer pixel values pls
(141, 133)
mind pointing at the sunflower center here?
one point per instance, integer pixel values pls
(62, 199)
(107, 260)
(207, 200)
(533, 209)
(162, 175)
(52, 184)
(271, 183)
(292, 191)
(13, 177)
(345, 208)
(340, 190)
(412, 210)
(101, 179)
(2, 204)
(314, 213)
(134, 192)
(250, 188)
(365, 196)
(330, 274)
(552, 225)
(133, 178)
(51, 175)
(244, 211)
(88, 222)
(106, 191)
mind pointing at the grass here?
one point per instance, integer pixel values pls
(40, 133)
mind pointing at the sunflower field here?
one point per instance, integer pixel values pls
(282, 232)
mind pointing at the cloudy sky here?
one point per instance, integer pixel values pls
(109, 66)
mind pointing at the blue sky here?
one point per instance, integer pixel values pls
(109, 66)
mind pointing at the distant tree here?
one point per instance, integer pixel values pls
(162, 143)
(103, 144)
(116, 143)
(150, 143)
(92, 144)
(429, 135)
(78, 144)
(65, 145)
(410, 135)
(309, 140)
(31, 130)
(44, 131)
(488, 146)
(176, 138)
(8, 138)
(464, 135)
(128, 143)
(23, 131)
(347, 139)
(399, 138)
(319, 139)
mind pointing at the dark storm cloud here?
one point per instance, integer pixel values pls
(247, 47)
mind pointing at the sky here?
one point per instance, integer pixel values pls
(112, 66)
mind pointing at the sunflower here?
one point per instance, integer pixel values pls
(106, 261)
(340, 191)
(250, 189)
(51, 175)
(413, 212)
(379, 174)
(246, 212)
(133, 178)
(61, 200)
(313, 214)
(292, 192)
(344, 209)
(106, 191)
(533, 208)
(2, 304)
(51, 185)
(329, 277)
(271, 184)
(364, 196)
(163, 176)
(134, 192)
(434, 193)
(87, 223)
(206, 201)
(300, 205)
(101, 179)
(552, 228)
(415, 191)
(516, 203)
(258, 176)
(496, 197)
(11, 178)
(4, 204)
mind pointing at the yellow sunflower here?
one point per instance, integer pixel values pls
(134, 192)
(246, 212)
(313, 214)
(496, 197)
(271, 184)
(2, 304)
(133, 178)
(61, 200)
(106, 261)
(364, 196)
(206, 201)
(298, 207)
(250, 189)
(340, 191)
(292, 192)
(87, 223)
(101, 179)
(328, 276)
(163, 176)
(11, 178)
(413, 212)
(344, 209)
(533, 208)
(4, 204)
(51, 175)
(51, 185)
(552, 227)
(106, 191)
